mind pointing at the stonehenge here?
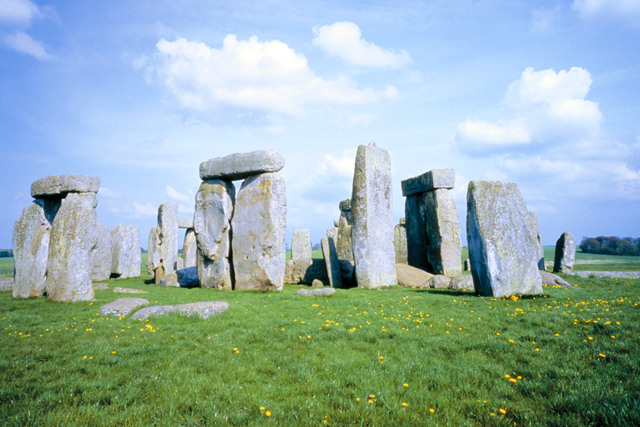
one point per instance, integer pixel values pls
(400, 242)
(125, 251)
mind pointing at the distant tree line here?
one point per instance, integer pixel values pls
(6, 253)
(611, 245)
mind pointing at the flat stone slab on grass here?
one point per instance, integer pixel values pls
(464, 282)
(6, 284)
(601, 274)
(119, 290)
(101, 287)
(439, 281)
(62, 184)
(316, 292)
(122, 306)
(202, 309)
(185, 278)
(550, 279)
(409, 276)
(241, 165)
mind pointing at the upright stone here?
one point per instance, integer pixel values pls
(372, 217)
(259, 233)
(190, 249)
(443, 233)
(212, 221)
(31, 234)
(501, 246)
(400, 243)
(416, 228)
(73, 238)
(168, 227)
(331, 261)
(241, 165)
(101, 256)
(534, 225)
(125, 251)
(333, 233)
(344, 244)
(301, 244)
(565, 253)
(153, 256)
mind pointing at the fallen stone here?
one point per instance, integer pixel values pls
(416, 229)
(168, 233)
(443, 233)
(202, 309)
(153, 256)
(304, 271)
(409, 276)
(73, 238)
(611, 274)
(101, 287)
(63, 184)
(259, 233)
(241, 165)
(125, 251)
(534, 225)
(316, 292)
(439, 281)
(501, 246)
(185, 223)
(301, 244)
(372, 216)
(400, 244)
(31, 234)
(185, 278)
(190, 249)
(550, 279)
(122, 306)
(101, 255)
(119, 290)
(331, 261)
(464, 282)
(565, 253)
(212, 222)
(317, 283)
(6, 284)
(432, 180)
(344, 245)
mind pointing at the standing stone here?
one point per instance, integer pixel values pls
(212, 221)
(400, 243)
(168, 227)
(73, 238)
(125, 251)
(31, 234)
(565, 253)
(333, 233)
(190, 249)
(501, 246)
(331, 260)
(259, 233)
(416, 229)
(301, 244)
(443, 233)
(101, 256)
(534, 225)
(344, 244)
(153, 256)
(372, 217)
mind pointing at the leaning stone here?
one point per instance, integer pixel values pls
(212, 221)
(6, 284)
(168, 233)
(372, 216)
(409, 276)
(439, 281)
(202, 309)
(464, 282)
(73, 238)
(185, 222)
(101, 256)
(153, 255)
(501, 247)
(432, 180)
(241, 165)
(534, 225)
(125, 251)
(185, 278)
(344, 245)
(443, 233)
(416, 229)
(316, 292)
(304, 271)
(63, 184)
(565, 253)
(331, 261)
(31, 234)
(122, 306)
(190, 249)
(301, 244)
(259, 233)
(550, 279)
(119, 290)
(400, 244)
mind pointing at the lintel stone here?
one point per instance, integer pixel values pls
(241, 165)
(432, 180)
(60, 185)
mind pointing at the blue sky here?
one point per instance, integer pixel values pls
(541, 93)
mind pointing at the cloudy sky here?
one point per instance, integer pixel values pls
(543, 94)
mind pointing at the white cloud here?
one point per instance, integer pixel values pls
(341, 166)
(344, 39)
(144, 211)
(364, 119)
(628, 9)
(512, 132)
(18, 11)
(543, 20)
(23, 43)
(107, 193)
(176, 195)
(267, 76)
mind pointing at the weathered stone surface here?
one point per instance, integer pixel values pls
(331, 261)
(317, 283)
(439, 281)
(101, 256)
(416, 228)
(565, 253)
(400, 244)
(50, 206)
(467, 264)
(31, 234)
(432, 180)
(301, 244)
(344, 244)
(304, 271)
(190, 249)
(333, 233)
(612, 274)
(168, 233)
(550, 279)
(212, 221)
(179, 264)
(101, 287)
(464, 282)
(184, 278)
(534, 225)
(372, 217)
(125, 251)
(241, 165)
(259, 233)
(6, 284)
(316, 292)
(443, 233)
(62, 184)
(409, 276)
(122, 306)
(185, 223)
(73, 238)
(402, 221)
(153, 255)
(501, 246)
(202, 309)
(345, 205)
(120, 290)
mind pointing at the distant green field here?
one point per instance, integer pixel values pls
(6, 266)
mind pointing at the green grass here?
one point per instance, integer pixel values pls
(595, 262)
(306, 360)
(6, 266)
